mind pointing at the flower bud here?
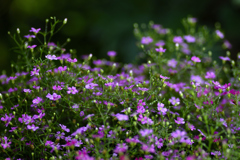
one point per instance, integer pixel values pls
(65, 21)
(18, 30)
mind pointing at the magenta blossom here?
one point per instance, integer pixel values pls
(177, 39)
(35, 72)
(179, 120)
(121, 148)
(174, 101)
(163, 77)
(121, 117)
(146, 40)
(37, 100)
(145, 132)
(224, 58)
(219, 34)
(31, 47)
(53, 97)
(51, 57)
(190, 39)
(195, 59)
(161, 108)
(111, 53)
(72, 90)
(210, 75)
(34, 30)
(160, 50)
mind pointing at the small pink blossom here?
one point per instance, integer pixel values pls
(195, 59)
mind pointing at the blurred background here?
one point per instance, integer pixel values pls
(97, 26)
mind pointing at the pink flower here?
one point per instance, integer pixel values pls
(210, 75)
(35, 72)
(31, 47)
(179, 120)
(195, 59)
(146, 40)
(224, 58)
(72, 90)
(35, 30)
(37, 100)
(219, 34)
(160, 49)
(53, 97)
(111, 53)
(190, 39)
(29, 36)
(163, 77)
(121, 117)
(177, 39)
(51, 57)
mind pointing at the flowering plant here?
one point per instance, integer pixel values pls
(179, 105)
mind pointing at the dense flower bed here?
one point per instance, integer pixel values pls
(178, 104)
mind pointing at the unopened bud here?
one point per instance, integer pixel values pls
(65, 21)
(18, 30)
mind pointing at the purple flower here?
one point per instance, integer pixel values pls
(227, 44)
(27, 90)
(224, 58)
(160, 43)
(160, 50)
(29, 36)
(37, 100)
(88, 116)
(189, 38)
(219, 34)
(145, 132)
(31, 47)
(4, 143)
(146, 40)
(53, 97)
(121, 148)
(177, 39)
(195, 59)
(148, 148)
(145, 120)
(72, 60)
(51, 57)
(178, 134)
(64, 128)
(91, 85)
(179, 120)
(81, 113)
(172, 63)
(58, 88)
(72, 90)
(191, 127)
(82, 155)
(7, 119)
(35, 72)
(60, 135)
(35, 30)
(174, 101)
(218, 153)
(111, 53)
(122, 117)
(210, 75)
(197, 79)
(32, 127)
(163, 77)
(201, 132)
(140, 109)
(161, 108)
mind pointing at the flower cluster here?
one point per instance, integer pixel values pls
(178, 105)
